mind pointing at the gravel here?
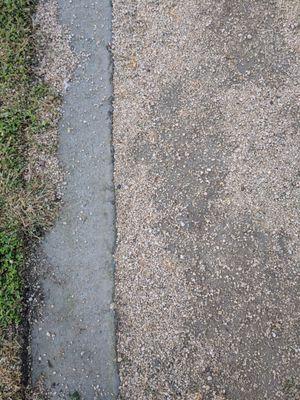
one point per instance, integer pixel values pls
(207, 191)
(56, 60)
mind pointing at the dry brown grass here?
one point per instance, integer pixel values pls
(10, 370)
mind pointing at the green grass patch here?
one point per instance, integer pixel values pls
(11, 260)
(16, 118)
(24, 210)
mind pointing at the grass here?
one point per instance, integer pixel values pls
(11, 260)
(10, 367)
(26, 206)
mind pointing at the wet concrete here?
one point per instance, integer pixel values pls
(73, 343)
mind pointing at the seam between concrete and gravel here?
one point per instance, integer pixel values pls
(73, 343)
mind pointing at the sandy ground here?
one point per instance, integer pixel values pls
(207, 177)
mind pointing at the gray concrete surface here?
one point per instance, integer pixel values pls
(73, 343)
(206, 136)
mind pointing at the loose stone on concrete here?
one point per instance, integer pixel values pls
(73, 343)
(206, 138)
